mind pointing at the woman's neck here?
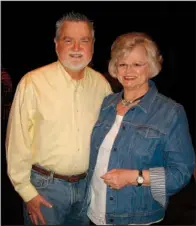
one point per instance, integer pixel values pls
(133, 94)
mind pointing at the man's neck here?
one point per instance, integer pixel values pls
(76, 75)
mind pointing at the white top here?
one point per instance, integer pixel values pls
(97, 208)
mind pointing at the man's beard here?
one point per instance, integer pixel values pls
(78, 66)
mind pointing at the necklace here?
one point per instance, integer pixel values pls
(128, 102)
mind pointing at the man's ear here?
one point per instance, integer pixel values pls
(55, 41)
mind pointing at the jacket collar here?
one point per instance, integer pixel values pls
(145, 102)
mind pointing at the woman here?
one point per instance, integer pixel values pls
(141, 150)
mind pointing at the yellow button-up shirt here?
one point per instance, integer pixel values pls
(50, 123)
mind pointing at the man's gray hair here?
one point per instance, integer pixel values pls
(74, 17)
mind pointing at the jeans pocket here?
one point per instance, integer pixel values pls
(39, 181)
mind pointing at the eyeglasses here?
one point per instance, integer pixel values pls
(135, 66)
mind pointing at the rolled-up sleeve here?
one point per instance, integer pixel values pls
(158, 188)
(179, 159)
(19, 138)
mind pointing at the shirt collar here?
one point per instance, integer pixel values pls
(145, 102)
(64, 72)
(76, 83)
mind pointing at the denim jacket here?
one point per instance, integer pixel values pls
(154, 135)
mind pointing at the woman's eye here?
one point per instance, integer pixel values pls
(122, 65)
(139, 64)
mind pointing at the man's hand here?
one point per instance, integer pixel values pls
(118, 178)
(33, 208)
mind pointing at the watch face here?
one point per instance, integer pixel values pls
(140, 180)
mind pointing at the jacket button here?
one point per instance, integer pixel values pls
(111, 220)
(111, 198)
(123, 127)
(115, 149)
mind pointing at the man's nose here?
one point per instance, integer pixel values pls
(76, 46)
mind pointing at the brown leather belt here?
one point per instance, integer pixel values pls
(71, 179)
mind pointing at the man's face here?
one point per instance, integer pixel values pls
(74, 45)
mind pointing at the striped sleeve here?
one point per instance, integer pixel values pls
(158, 188)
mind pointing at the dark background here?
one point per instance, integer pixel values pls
(28, 30)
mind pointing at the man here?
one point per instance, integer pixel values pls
(51, 119)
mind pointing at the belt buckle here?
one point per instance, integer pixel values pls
(51, 175)
(73, 179)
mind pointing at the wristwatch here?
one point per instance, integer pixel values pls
(140, 178)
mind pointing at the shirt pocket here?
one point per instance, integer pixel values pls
(51, 110)
(146, 139)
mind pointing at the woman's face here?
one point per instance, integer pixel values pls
(133, 70)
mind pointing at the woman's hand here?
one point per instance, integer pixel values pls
(118, 178)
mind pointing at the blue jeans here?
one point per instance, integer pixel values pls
(66, 198)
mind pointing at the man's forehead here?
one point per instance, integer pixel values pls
(74, 28)
(75, 24)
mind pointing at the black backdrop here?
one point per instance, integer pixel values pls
(28, 30)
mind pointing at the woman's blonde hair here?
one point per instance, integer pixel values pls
(126, 42)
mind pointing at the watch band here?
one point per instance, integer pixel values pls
(140, 178)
